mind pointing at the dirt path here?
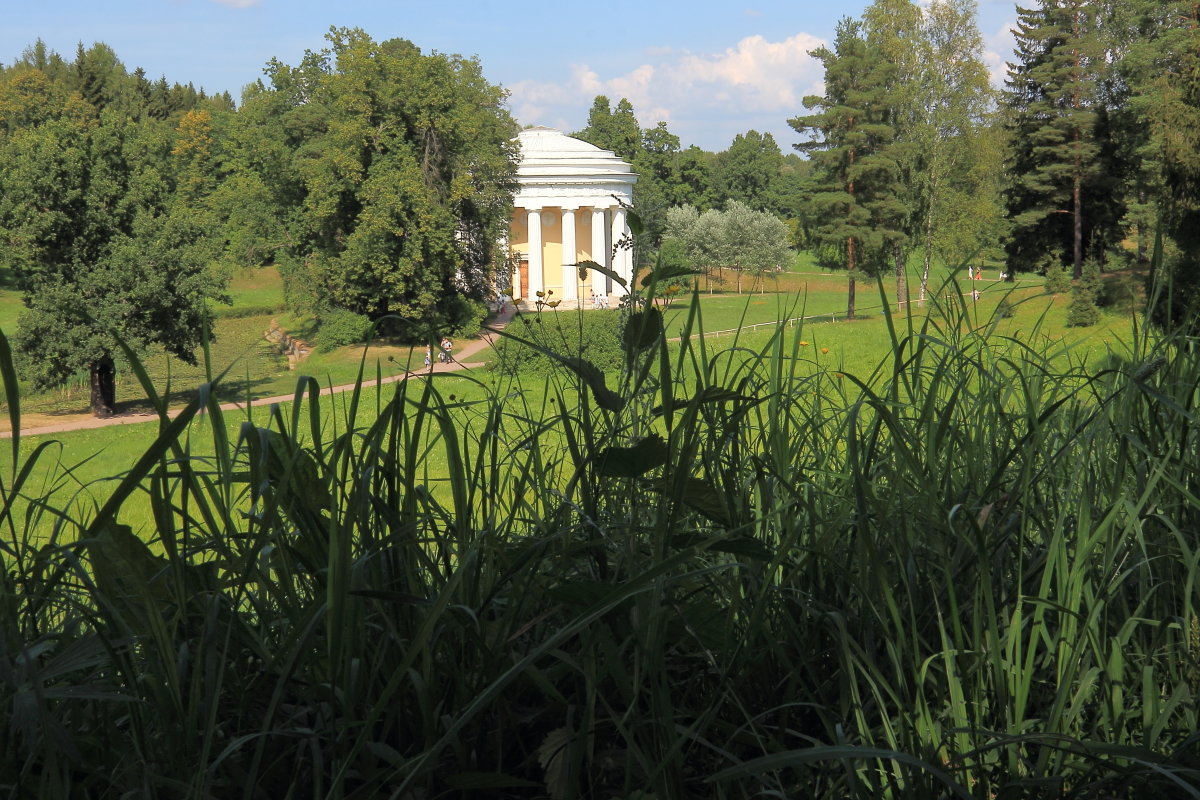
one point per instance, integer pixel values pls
(40, 424)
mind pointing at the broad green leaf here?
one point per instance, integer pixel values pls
(605, 398)
(710, 394)
(700, 495)
(632, 462)
(634, 221)
(668, 273)
(584, 266)
(642, 330)
(12, 395)
(553, 755)
(124, 566)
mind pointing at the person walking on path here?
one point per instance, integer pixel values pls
(447, 347)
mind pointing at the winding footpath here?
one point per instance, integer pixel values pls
(86, 421)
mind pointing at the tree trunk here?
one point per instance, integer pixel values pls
(928, 256)
(852, 264)
(1077, 103)
(1078, 213)
(851, 260)
(901, 277)
(1142, 257)
(104, 389)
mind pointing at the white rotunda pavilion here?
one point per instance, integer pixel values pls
(568, 209)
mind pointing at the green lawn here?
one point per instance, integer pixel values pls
(857, 348)
(256, 288)
(253, 367)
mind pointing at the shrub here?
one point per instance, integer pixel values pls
(1058, 279)
(461, 317)
(594, 335)
(242, 312)
(1083, 311)
(457, 317)
(340, 328)
(1117, 292)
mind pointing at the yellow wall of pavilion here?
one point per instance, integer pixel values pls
(552, 252)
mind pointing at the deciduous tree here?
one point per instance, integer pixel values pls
(403, 165)
(1162, 68)
(738, 238)
(748, 171)
(99, 242)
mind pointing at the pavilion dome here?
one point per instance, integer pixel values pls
(555, 166)
(570, 206)
(547, 153)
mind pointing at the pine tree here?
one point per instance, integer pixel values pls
(1063, 195)
(894, 30)
(854, 202)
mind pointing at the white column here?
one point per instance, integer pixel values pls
(599, 250)
(622, 257)
(514, 274)
(534, 226)
(570, 272)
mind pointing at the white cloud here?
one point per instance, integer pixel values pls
(998, 51)
(768, 76)
(701, 95)
(237, 3)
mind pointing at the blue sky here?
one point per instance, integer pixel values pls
(709, 69)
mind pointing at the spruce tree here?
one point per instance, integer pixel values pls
(1083, 312)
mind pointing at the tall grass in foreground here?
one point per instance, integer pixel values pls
(732, 574)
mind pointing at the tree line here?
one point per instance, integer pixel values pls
(1089, 149)
(378, 178)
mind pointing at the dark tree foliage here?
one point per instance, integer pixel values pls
(391, 171)
(1063, 158)
(1162, 70)
(853, 209)
(749, 170)
(668, 176)
(616, 130)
